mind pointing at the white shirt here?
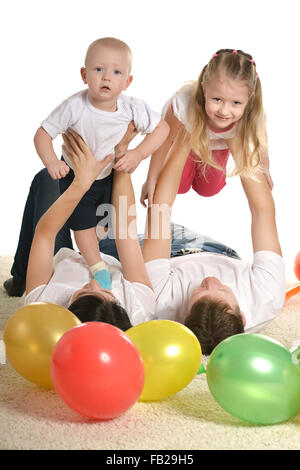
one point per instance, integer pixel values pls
(182, 106)
(101, 130)
(259, 287)
(71, 273)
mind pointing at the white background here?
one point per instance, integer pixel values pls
(43, 46)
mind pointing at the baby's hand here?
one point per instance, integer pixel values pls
(148, 189)
(128, 161)
(58, 170)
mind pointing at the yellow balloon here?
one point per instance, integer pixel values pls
(30, 336)
(171, 354)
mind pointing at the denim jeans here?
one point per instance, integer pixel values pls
(184, 241)
(43, 193)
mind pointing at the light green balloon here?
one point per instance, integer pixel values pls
(255, 379)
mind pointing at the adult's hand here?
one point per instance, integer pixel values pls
(85, 165)
(122, 146)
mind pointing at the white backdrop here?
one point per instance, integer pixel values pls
(42, 49)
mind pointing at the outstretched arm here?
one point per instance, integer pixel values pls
(157, 238)
(125, 230)
(262, 207)
(86, 169)
(159, 158)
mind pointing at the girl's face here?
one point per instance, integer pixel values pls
(225, 101)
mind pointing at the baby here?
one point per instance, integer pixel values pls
(101, 115)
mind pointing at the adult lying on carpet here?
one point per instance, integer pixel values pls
(67, 281)
(214, 295)
(184, 287)
(61, 282)
(44, 191)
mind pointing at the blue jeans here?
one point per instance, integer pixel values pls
(184, 241)
(43, 193)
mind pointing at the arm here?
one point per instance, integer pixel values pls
(154, 140)
(131, 159)
(265, 163)
(262, 208)
(159, 158)
(234, 147)
(122, 146)
(157, 239)
(86, 169)
(261, 204)
(44, 147)
(124, 224)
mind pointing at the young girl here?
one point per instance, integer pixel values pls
(222, 113)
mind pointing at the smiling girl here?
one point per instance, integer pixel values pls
(222, 114)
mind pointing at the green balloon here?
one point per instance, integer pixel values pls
(255, 379)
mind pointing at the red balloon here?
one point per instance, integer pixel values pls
(97, 370)
(297, 266)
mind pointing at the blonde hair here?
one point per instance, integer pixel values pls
(110, 42)
(251, 131)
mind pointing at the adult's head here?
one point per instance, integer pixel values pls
(214, 314)
(93, 303)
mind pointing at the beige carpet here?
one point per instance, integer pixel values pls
(33, 418)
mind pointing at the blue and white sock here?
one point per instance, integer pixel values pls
(100, 273)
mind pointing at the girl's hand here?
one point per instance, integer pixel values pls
(85, 165)
(148, 190)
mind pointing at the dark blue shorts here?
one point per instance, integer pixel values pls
(84, 216)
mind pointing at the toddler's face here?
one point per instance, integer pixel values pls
(225, 101)
(107, 74)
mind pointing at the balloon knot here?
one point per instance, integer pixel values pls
(201, 370)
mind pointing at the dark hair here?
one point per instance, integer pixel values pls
(211, 322)
(91, 308)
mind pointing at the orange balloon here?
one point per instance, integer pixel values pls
(292, 291)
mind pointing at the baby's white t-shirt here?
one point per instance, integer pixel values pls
(259, 287)
(101, 130)
(72, 273)
(182, 105)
